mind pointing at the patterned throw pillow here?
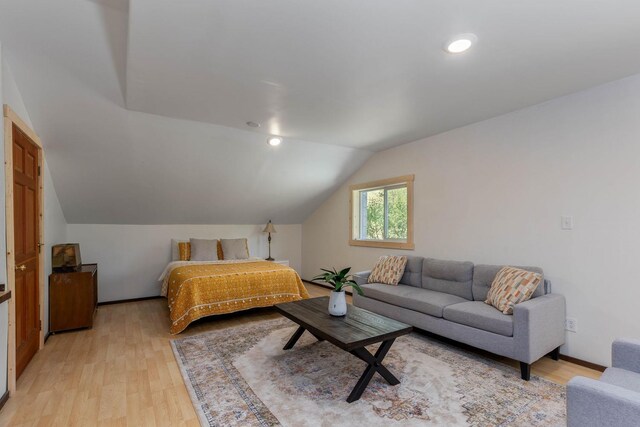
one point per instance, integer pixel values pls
(184, 251)
(512, 286)
(388, 270)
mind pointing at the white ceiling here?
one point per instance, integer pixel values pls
(115, 166)
(142, 106)
(369, 73)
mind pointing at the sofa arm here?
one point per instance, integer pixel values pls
(538, 326)
(625, 354)
(594, 403)
(361, 277)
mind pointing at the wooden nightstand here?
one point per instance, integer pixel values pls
(73, 298)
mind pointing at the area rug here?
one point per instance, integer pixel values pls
(242, 377)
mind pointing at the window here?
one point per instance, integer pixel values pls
(382, 213)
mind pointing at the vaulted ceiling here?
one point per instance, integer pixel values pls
(116, 166)
(142, 105)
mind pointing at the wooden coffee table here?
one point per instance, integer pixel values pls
(351, 333)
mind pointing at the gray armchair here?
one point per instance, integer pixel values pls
(612, 401)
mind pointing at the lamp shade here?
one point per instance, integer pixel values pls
(65, 256)
(269, 228)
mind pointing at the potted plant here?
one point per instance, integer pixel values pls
(339, 281)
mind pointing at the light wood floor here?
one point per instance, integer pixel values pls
(123, 372)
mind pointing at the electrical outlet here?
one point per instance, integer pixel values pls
(571, 324)
(566, 222)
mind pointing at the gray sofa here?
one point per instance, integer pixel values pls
(614, 400)
(447, 298)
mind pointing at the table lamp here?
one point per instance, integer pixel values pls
(269, 229)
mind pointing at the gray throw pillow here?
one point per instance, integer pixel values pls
(234, 248)
(204, 250)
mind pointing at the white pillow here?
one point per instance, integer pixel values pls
(234, 248)
(204, 250)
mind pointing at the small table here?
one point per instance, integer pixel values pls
(359, 328)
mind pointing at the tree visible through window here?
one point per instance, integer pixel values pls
(380, 213)
(383, 214)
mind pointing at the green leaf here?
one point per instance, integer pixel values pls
(355, 287)
(339, 280)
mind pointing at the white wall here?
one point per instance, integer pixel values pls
(55, 226)
(131, 257)
(55, 232)
(494, 192)
(4, 313)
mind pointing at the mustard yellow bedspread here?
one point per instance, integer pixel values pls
(196, 291)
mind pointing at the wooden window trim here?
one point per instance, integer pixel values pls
(409, 244)
(11, 118)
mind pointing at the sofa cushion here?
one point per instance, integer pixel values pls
(451, 277)
(479, 315)
(483, 276)
(622, 378)
(413, 271)
(416, 299)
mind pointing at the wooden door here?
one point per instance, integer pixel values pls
(26, 248)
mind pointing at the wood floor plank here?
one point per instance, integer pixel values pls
(123, 371)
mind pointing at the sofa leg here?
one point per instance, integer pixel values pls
(555, 354)
(525, 371)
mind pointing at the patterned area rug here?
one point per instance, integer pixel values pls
(241, 376)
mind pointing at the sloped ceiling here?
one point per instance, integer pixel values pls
(142, 105)
(111, 165)
(370, 73)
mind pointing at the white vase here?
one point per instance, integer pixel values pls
(337, 303)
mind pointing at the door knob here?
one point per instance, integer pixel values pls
(21, 267)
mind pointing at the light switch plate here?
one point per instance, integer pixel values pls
(566, 222)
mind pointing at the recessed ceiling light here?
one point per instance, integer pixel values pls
(253, 124)
(274, 141)
(461, 43)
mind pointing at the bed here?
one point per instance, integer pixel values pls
(196, 289)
